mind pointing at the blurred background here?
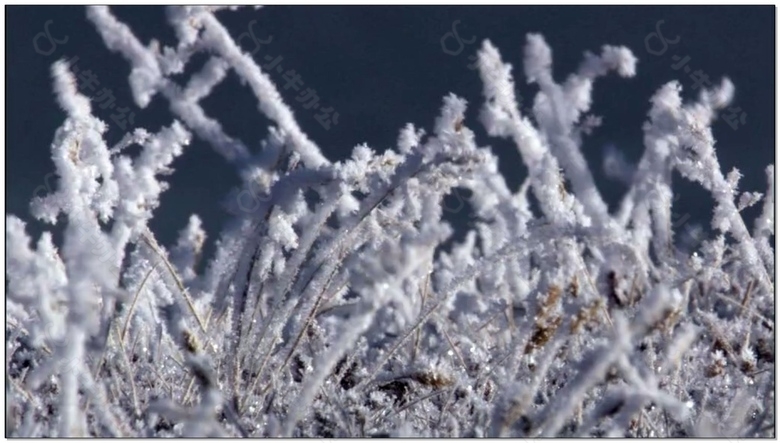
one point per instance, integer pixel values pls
(381, 67)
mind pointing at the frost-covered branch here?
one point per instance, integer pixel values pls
(337, 302)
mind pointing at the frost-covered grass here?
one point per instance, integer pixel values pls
(332, 309)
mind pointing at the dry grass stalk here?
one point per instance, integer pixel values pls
(435, 380)
(574, 287)
(542, 334)
(546, 324)
(588, 315)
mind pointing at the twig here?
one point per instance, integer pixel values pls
(768, 322)
(423, 319)
(412, 403)
(423, 297)
(135, 300)
(746, 298)
(306, 324)
(189, 391)
(130, 375)
(445, 406)
(593, 285)
(455, 350)
(490, 320)
(153, 244)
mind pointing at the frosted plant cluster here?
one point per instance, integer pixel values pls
(333, 309)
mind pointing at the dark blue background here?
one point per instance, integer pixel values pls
(383, 66)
